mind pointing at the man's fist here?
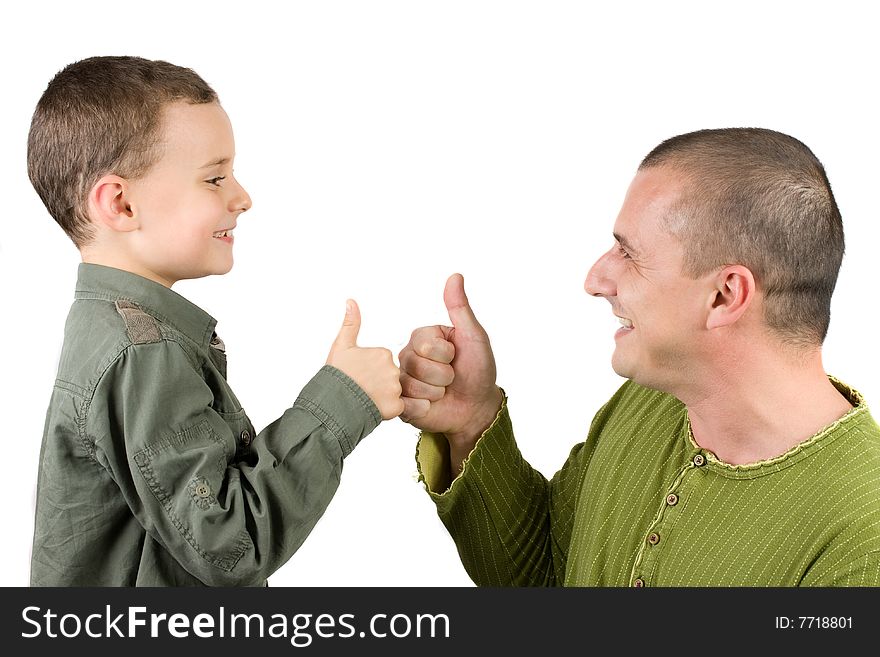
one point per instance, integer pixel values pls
(373, 369)
(448, 374)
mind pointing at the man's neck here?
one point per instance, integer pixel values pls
(761, 407)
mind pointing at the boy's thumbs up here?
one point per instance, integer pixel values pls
(373, 369)
(351, 326)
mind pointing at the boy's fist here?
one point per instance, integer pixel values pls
(373, 369)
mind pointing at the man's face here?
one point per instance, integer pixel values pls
(661, 311)
(188, 198)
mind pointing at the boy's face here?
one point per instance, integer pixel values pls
(188, 198)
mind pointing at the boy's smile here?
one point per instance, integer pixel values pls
(225, 235)
(187, 205)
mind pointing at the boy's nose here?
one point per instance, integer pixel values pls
(598, 282)
(242, 200)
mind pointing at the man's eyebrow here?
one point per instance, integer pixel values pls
(214, 163)
(626, 245)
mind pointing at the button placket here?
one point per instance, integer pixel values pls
(651, 551)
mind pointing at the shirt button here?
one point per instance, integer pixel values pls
(639, 583)
(672, 499)
(653, 538)
(699, 460)
(245, 437)
(203, 490)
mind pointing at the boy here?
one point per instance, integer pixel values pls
(151, 473)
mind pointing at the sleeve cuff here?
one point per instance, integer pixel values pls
(341, 405)
(432, 456)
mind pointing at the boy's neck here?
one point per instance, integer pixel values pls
(95, 256)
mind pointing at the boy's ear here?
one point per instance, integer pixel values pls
(108, 204)
(733, 292)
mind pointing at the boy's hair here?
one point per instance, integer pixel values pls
(97, 116)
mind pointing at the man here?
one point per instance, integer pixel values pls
(729, 458)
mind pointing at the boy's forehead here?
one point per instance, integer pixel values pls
(197, 134)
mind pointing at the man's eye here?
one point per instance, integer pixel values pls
(623, 252)
(215, 181)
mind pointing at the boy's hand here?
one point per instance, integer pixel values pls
(373, 369)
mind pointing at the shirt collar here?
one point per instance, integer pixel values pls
(101, 282)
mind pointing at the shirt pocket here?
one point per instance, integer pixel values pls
(198, 493)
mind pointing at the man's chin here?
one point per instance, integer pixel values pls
(620, 367)
(628, 370)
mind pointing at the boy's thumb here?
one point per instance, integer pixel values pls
(351, 325)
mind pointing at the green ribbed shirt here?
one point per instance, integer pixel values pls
(151, 473)
(639, 503)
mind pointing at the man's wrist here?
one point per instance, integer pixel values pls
(467, 437)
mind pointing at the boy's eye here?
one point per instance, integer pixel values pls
(215, 181)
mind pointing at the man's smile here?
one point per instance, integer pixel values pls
(625, 328)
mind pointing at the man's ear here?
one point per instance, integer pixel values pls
(108, 204)
(733, 292)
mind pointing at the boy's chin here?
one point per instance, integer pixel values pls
(221, 268)
(217, 270)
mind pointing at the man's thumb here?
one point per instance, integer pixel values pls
(351, 325)
(457, 304)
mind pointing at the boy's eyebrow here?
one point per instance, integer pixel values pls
(219, 161)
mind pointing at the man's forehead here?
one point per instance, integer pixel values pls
(649, 199)
(654, 189)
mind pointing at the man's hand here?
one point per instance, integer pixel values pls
(448, 376)
(373, 369)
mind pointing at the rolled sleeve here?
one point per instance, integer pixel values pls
(341, 405)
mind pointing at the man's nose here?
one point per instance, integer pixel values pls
(599, 282)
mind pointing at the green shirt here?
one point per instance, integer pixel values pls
(640, 504)
(150, 471)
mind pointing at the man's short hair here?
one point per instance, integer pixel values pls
(761, 199)
(97, 116)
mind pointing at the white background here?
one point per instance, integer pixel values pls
(387, 145)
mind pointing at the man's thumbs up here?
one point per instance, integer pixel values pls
(458, 307)
(448, 376)
(372, 369)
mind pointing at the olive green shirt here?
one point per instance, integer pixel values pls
(151, 473)
(639, 503)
